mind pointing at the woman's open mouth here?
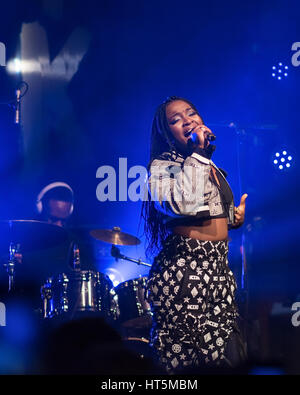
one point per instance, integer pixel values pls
(188, 132)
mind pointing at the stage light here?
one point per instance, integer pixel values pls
(114, 275)
(27, 66)
(280, 71)
(14, 66)
(282, 160)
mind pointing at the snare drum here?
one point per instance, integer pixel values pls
(79, 291)
(134, 310)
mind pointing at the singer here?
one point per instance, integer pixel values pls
(191, 288)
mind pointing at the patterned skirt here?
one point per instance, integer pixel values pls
(191, 293)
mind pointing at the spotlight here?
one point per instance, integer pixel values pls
(17, 65)
(114, 275)
(280, 71)
(282, 160)
(14, 66)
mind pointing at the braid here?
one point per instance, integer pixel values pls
(161, 141)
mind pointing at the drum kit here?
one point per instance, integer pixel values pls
(73, 293)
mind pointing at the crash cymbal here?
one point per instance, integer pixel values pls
(30, 234)
(114, 236)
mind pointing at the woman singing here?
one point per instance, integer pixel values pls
(187, 216)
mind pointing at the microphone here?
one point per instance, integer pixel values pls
(17, 115)
(211, 137)
(194, 138)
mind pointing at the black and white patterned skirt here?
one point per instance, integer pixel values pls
(191, 293)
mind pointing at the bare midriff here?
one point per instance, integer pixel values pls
(212, 229)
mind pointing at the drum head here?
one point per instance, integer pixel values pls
(134, 309)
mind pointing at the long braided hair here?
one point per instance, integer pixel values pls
(162, 141)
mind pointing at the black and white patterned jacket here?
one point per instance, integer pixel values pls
(183, 190)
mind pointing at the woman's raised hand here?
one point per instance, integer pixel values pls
(239, 212)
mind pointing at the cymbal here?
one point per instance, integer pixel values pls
(114, 236)
(30, 234)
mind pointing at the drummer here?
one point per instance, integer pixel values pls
(55, 203)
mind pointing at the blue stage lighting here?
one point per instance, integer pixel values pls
(282, 160)
(15, 66)
(266, 370)
(280, 71)
(114, 275)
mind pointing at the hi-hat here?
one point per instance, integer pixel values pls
(114, 236)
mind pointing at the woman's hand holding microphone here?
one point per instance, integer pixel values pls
(201, 137)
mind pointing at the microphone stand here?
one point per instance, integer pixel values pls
(21, 91)
(240, 132)
(115, 252)
(18, 107)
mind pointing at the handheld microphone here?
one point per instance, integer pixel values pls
(194, 138)
(211, 137)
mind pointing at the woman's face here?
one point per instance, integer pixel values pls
(182, 120)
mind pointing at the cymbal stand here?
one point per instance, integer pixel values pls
(76, 257)
(115, 252)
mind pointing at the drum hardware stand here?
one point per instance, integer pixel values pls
(115, 252)
(76, 257)
(10, 265)
(46, 295)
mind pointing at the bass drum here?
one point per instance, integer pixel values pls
(79, 291)
(134, 310)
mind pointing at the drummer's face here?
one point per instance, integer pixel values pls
(59, 212)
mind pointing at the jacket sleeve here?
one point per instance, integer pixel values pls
(180, 189)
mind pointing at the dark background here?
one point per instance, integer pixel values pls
(132, 55)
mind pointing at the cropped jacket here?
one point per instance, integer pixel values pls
(184, 191)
